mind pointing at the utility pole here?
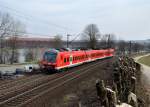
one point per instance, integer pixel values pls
(108, 41)
(108, 47)
(130, 46)
(68, 40)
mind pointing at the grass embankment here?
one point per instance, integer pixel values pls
(18, 64)
(145, 60)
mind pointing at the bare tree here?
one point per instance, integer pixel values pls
(107, 41)
(122, 47)
(137, 47)
(29, 56)
(5, 25)
(57, 41)
(17, 28)
(9, 28)
(111, 41)
(148, 46)
(91, 35)
(103, 41)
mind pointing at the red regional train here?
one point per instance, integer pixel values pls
(55, 60)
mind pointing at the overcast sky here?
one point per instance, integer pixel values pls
(127, 19)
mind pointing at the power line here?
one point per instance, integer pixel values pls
(23, 32)
(75, 38)
(29, 17)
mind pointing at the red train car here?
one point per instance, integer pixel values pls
(57, 60)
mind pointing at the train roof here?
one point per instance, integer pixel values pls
(70, 50)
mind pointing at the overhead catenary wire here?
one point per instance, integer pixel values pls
(23, 32)
(30, 18)
(75, 38)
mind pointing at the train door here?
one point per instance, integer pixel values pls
(71, 58)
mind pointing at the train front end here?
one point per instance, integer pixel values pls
(49, 61)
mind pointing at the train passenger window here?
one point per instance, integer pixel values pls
(68, 59)
(65, 60)
(83, 56)
(78, 57)
(86, 56)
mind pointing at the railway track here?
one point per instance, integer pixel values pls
(8, 81)
(4, 81)
(8, 93)
(39, 90)
(18, 82)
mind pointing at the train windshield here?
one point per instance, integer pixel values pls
(50, 57)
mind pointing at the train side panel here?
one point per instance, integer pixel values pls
(69, 59)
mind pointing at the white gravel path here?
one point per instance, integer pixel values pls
(145, 71)
(145, 74)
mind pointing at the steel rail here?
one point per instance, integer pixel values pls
(52, 88)
(12, 83)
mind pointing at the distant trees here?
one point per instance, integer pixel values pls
(129, 47)
(17, 27)
(29, 55)
(121, 47)
(107, 41)
(91, 35)
(148, 46)
(94, 39)
(58, 41)
(137, 47)
(9, 30)
(112, 41)
(5, 24)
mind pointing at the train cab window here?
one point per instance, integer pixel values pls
(50, 57)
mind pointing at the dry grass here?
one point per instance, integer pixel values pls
(145, 60)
